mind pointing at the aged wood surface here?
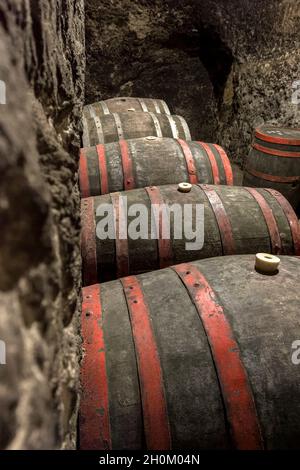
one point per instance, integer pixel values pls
(236, 221)
(124, 104)
(274, 162)
(132, 125)
(262, 314)
(138, 163)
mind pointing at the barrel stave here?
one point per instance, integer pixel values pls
(93, 171)
(116, 180)
(185, 359)
(203, 167)
(122, 378)
(142, 253)
(249, 229)
(92, 110)
(214, 154)
(221, 169)
(106, 249)
(282, 221)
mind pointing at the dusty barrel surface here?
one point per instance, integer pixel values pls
(236, 220)
(125, 104)
(274, 162)
(197, 356)
(137, 163)
(120, 126)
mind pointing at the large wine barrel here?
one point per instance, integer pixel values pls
(114, 127)
(237, 220)
(197, 356)
(148, 161)
(125, 104)
(274, 162)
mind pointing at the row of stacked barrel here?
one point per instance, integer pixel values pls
(182, 357)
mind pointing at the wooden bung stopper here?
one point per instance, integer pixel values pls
(266, 263)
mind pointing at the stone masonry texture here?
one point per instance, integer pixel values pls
(42, 65)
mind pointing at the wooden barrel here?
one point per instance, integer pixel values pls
(114, 127)
(197, 356)
(124, 104)
(148, 161)
(237, 220)
(274, 162)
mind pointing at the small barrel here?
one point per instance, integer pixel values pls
(274, 162)
(148, 161)
(114, 127)
(124, 104)
(202, 355)
(146, 229)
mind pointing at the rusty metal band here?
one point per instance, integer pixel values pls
(156, 107)
(272, 178)
(275, 152)
(185, 128)
(291, 218)
(94, 422)
(84, 175)
(102, 169)
(127, 165)
(235, 388)
(143, 105)
(165, 253)
(165, 107)
(189, 159)
(120, 218)
(275, 140)
(226, 164)
(88, 242)
(104, 107)
(118, 126)
(274, 234)
(85, 134)
(212, 160)
(156, 124)
(99, 129)
(222, 219)
(173, 126)
(155, 415)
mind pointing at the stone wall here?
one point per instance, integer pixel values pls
(265, 40)
(42, 64)
(225, 65)
(149, 48)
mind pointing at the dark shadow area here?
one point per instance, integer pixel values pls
(204, 42)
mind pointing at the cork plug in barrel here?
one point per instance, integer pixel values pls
(228, 220)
